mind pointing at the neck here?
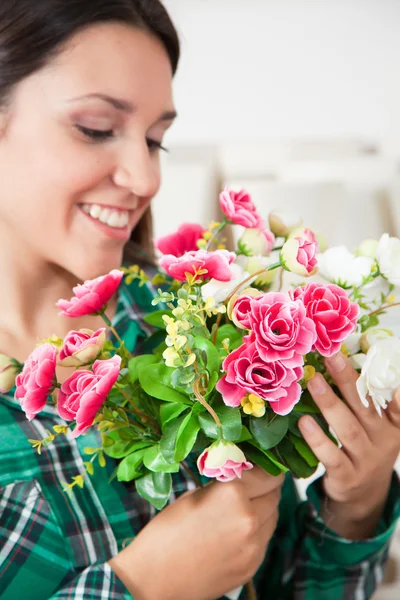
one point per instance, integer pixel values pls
(30, 288)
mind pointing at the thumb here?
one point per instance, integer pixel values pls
(393, 410)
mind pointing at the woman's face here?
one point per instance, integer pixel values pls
(79, 149)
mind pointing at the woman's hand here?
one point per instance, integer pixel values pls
(358, 475)
(205, 544)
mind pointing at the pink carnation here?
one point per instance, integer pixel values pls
(242, 309)
(239, 208)
(37, 379)
(92, 296)
(216, 264)
(281, 329)
(334, 316)
(223, 461)
(183, 240)
(80, 347)
(298, 256)
(83, 394)
(247, 373)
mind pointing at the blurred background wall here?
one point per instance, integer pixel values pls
(299, 102)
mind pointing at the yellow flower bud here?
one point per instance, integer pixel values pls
(253, 405)
(308, 373)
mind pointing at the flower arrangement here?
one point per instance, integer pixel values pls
(227, 385)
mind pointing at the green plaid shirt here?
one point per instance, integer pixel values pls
(56, 546)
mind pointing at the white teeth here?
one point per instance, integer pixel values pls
(104, 214)
(95, 211)
(113, 218)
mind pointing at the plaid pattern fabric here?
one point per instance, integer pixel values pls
(55, 546)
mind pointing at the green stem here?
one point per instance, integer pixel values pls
(382, 308)
(216, 232)
(139, 413)
(191, 474)
(204, 402)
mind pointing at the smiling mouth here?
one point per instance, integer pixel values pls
(113, 217)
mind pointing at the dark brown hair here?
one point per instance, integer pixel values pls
(32, 32)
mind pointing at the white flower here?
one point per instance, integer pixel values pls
(373, 335)
(388, 257)
(221, 290)
(352, 344)
(258, 241)
(357, 361)
(340, 266)
(380, 375)
(367, 248)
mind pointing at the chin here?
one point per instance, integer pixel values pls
(90, 269)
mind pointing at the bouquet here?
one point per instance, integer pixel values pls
(225, 382)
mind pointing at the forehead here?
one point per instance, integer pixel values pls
(115, 59)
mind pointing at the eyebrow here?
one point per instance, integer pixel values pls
(125, 106)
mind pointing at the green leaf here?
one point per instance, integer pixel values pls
(186, 436)
(305, 451)
(230, 418)
(306, 405)
(213, 362)
(269, 430)
(155, 318)
(258, 457)
(228, 332)
(129, 467)
(292, 459)
(122, 448)
(155, 379)
(245, 435)
(138, 361)
(155, 488)
(154, 461)
(169, 437)
(170, 411)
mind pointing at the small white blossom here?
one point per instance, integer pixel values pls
(388, 257)
(380, 375)
(338, 265)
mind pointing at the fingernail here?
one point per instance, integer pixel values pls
(307, 424)
(318, 384)
(337, 362)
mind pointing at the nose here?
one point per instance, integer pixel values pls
(138, 170)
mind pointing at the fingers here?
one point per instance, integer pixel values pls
(347, 427)
(331, 456)
(258, 483)
(345, 378)
(266, 506)
(393, 410)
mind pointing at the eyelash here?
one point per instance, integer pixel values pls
(97, 135)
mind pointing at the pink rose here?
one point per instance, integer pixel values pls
(37, 380)
(239, 208)
(83, 394)
(183, 240)
(92, 296)
(224, 461)
(298, 256)
(247, 373)
(281, 329)
(216, 264)
(335, 317)
(81, 347)
(240, 313)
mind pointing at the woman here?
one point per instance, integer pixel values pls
(85, 91)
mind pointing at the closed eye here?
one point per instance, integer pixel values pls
(154, 146)
(96, 135)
